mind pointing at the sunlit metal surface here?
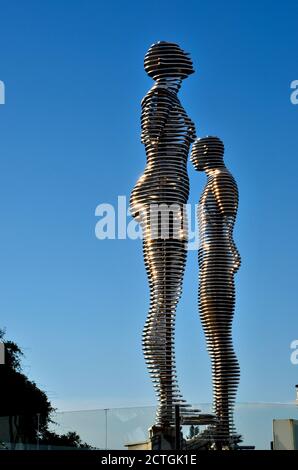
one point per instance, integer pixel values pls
(167, 133)
(218, 262)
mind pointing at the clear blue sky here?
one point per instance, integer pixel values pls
(70, 139)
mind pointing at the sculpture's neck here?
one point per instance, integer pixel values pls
(211, 170)
(173, 84)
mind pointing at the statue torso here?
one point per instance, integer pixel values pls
(165, 178)
(217, 247)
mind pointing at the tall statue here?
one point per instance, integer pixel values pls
(218, 262)
(167, 133)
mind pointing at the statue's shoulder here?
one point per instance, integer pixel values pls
(159, 92)
(225, 190)
(223, 176)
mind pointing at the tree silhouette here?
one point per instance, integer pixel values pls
(25, 406)
(193, 431)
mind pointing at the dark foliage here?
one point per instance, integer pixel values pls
(26, 406)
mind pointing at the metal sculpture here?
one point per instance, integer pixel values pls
(218, 262)
(167, 133)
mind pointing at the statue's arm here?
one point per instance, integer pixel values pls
(226, 195)
(156, 107)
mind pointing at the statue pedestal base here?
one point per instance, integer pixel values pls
(159, 439)
(162, 438)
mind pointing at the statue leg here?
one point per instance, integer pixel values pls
(165, 263)
(217, 307)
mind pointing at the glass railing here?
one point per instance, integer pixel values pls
(115, 428)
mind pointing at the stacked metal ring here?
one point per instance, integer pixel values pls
(167, 59)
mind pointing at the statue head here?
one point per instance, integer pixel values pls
(207, 152)
(167, 60)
